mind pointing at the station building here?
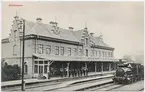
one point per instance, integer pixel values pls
(49, 47)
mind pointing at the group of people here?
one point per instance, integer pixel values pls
(74, 72)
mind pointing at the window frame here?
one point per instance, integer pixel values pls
(87, 53)
(48, 48)
(62, 50)
(87, 41)
(56, 50)
(75, 51)
(40, 48)
(36, 68)
(69, 51)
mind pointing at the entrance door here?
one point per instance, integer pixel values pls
(40, 69)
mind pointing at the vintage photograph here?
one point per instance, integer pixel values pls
(72, 46)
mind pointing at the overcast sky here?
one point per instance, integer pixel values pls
(121, 23)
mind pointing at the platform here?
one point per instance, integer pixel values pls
(33, 81)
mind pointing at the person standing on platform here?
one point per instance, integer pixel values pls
(78, 72)
(84, 70)
(72, 72)
(61, 72)
(65, 72)
(81, 71)
(48, 72)
(75, 72)
(87, 71)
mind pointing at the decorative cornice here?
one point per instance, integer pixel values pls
(50, 39)
(102, 47)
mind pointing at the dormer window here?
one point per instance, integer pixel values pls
(86, 52)
(55, 28)
(69, 51)
(87, 41)
(15, 35)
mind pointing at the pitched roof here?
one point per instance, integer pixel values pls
(45, 30)
(78, 34)
(94, 40)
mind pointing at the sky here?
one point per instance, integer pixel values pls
(120, 23)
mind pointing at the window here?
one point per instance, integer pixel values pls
(45, 62)
(103, 53)
(96, 53)
(75, 51)
(56, 50)
(35, 68)
(40, 49)
(36, 62)
(87, 41)
(40, 62)
(15, 35)
(48, 49)
(45, 68)
(62, 50)
(14, 50)
(69, 51)
(41, 69)
(99, 53)
(111, 54)
(108, 54)
(82, 40)
(86, 52)
(92, 52)
(80, 52)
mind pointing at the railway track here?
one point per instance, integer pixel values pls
(49, 85)
(136, 86)
(105, 84)
(83, 85)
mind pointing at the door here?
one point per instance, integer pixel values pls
(40, 69)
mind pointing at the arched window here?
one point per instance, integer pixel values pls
(99, 53)
(87, 41)
(25, 68)
(86, 52)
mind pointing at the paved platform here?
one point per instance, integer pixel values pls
(67, 84)
(32, 81)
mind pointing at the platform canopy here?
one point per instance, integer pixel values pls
(80, 59)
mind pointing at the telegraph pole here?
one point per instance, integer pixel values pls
(23, 82)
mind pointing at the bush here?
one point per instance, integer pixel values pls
(10, 72)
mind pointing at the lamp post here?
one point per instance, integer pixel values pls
(23, 82)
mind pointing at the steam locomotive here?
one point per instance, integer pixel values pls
(129, 73)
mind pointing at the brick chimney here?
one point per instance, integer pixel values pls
(70, 28)
(16, 17)
(92, 34)
(38, 20)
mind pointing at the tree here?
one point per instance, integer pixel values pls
(10, 72)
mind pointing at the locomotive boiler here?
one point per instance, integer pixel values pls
(128, 73)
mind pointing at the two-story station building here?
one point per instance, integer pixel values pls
(49, 47)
